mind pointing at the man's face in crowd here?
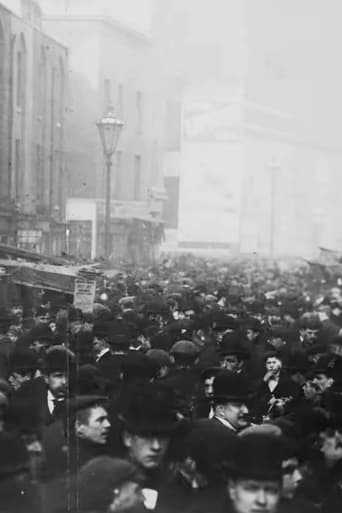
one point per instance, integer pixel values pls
(323, 313)
(75, 326)
(178, 315)
(309, 335)
(251, 335)
(331, 446)
(219, 334)
(42, 319)
(57, 383)
(251, 496)
(39, 345)
(128, 497)
(322, 382)
(277, 342)
(208, 386)
(12, 335)
(273, 365)
(292, 477)
(52, 326)
(96, 427)
(16, 379)
(236, 413)
(231, 362)
(147, 452)
(298, 377)
(98, 345)
(17, 310)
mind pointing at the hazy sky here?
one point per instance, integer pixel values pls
(137, 12)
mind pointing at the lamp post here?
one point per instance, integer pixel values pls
(110, 128)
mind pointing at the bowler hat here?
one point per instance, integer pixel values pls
(230, 386)
(24, 360)
(136, 365)
(58, 359)
(297, 361)
(258, 456)
(224, 322)
(232, 343)
(148, 410)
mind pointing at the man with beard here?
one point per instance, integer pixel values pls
(230, 397)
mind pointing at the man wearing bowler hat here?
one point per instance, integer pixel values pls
(255, 477)
(230, 398)
(149, 422)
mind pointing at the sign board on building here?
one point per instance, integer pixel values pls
(29, 236)
(84, 294)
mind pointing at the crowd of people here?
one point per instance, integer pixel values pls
(195, 386)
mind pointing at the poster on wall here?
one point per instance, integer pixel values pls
(84, 294)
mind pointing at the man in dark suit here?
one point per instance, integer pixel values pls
(108, 361)
(230, 397)
(39, 401)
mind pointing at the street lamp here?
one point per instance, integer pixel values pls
(110, 129)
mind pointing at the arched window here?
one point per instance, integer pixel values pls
(21, 73)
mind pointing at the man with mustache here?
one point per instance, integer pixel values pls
(42, 400)
(230, 397)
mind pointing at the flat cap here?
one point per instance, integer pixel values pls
(98, 479)
(184, 347)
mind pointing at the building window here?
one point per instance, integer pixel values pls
(120, 100)
(18, 176)
(137, 177)
(139, 105)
